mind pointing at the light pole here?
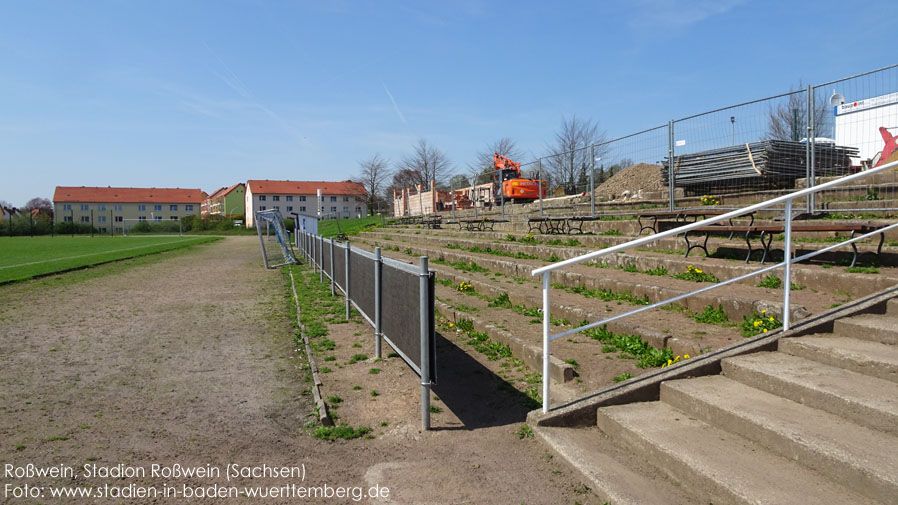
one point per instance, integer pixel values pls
(733, 124)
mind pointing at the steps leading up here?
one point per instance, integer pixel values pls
(875, 327)
(718, 465)
(615, 475)
(861, 459)
(857, 397)
(863, 356)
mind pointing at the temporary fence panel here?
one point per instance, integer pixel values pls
(361, 282)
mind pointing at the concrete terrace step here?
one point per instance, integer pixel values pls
(892, 307)
(719, 466)
(613, 474)
(876, 327)
(859, 458)
(863, 356)
(863, 399)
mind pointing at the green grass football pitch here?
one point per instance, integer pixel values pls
(27, 257)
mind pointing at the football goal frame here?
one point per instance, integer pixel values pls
(270, 228)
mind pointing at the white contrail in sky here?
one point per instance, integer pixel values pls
(395, 105)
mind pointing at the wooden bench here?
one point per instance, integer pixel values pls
(680, 216)
(767, 231)
(559, 224)
(432, 221)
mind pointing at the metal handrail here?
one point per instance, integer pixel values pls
(547, 270)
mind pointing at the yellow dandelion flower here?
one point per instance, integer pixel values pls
(771, 319)
(685, 356)
(757, 323)
(669, 362)
(765, 330)
(677, 358)
(764, 311)
(698, 271)
(451, 325)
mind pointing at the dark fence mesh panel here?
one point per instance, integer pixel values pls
(361, 283)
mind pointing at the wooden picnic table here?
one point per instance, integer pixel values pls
(767, 231)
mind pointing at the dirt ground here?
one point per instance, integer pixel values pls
(188, 358)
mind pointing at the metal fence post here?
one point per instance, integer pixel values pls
(787, 267)
(332, 267)
(592, 182)
(346, 281)
(378, 269)
(539, 177)
(425, 344)
(452, 189)
(670, 165)
(812, 144)
(320, 241)
(546, 343)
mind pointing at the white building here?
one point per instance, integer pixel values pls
(339, 200)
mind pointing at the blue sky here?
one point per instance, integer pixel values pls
(206, 94)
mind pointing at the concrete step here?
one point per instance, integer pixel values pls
(861, 459)
(892, 307)
(613, 474)
(860, 398)
(876, 327)
(863, 356)
(713, 463)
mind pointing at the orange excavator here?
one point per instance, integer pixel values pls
(513, 186)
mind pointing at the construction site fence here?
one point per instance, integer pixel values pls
(746, 153)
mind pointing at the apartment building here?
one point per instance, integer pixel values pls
(107, 207)
(339, 200)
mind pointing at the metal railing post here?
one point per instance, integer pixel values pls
(787, 267)
(333, 293)
(320, 241)
(425, 344)
(546, 351)
(452, 188)
(812, 144)
(378, 269)
(671, 183)
(539, 177)
(346, 281)
(592, 182)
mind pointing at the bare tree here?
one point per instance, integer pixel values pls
(373, 172)
(788, 120)
(482, 168)
(42, 205)
(570, 151)
(430, 162)
(403, 179)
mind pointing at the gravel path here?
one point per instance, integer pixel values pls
(188, 359)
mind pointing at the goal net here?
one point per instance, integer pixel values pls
(276, 248)
(161, 227)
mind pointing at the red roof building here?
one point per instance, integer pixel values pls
(339, 200)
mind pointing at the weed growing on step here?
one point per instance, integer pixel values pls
(464, 287)
(622, 377)
(611, 233)
(525, 431)
(340, 432)
(711, 315)
(573, 363)
(660, 271)
(696, 275)
(774, 282)
(757, 324)
(604, 294)
(862, 270)
(631, 346)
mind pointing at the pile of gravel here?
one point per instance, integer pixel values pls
(634, 182)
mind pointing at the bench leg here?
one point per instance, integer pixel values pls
(748, 243)
(766, 245)
(853, 248)
(690, 246)
(643, 227)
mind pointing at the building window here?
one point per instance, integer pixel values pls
(345, 209)
(157, 218)
(289, 198)
(118, 208)
(289, 209)
(262, 198)
(276, 198)
(302, 208)
(174, 218)
(141, 218)
(67, 219)
(118, 219)
(358, 209)
(277, 208)
(66, 206)
(85, 219)
(101, 207)
(102, 219)
(157, 208)
(345, 198)
(84, 206)
(173, 208)
(188, 208)
(302, 198)
(333, 198)
(261, 207)
(333, 209)
(142, 208)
